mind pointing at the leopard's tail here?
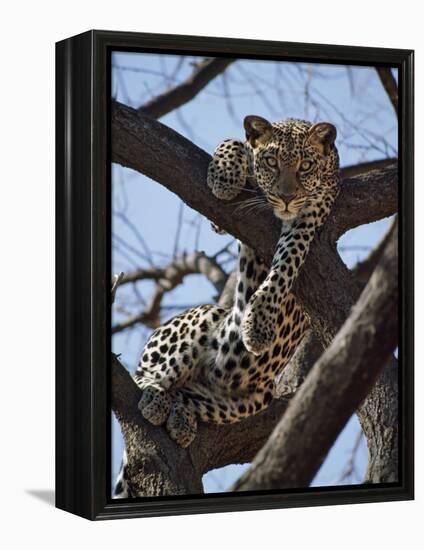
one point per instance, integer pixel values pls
(121, 486)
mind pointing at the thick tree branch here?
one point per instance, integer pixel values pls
(364, 167)
(336, 386)
(203, 73)
(146, 145)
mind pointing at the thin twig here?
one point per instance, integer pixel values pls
(116, 281)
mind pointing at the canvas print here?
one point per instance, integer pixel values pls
(254, 302)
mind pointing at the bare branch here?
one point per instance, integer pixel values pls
(167, 279)
(178, 231)
(390, 85)
(142, 274)
(187, 90)
(147, 254)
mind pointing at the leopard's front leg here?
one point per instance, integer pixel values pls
(260, 317)
(227, 171)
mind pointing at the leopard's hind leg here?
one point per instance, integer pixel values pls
(171, 357)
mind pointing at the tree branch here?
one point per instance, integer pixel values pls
(390, 85)
(189, 264)
(157, 151)
(334, 389)
(167, 279)
(358, 169)
(116, 281)
(175, 97)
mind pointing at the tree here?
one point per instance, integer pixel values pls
(364, 382)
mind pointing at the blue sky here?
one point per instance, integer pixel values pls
(352, 98)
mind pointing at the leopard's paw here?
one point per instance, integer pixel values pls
(181, 425)
(155, 405)
(227, 170)
(257, 332)
(256, 342)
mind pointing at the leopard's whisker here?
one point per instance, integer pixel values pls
(255, 207)
(242, 189)
(247, 205)
(252, 200)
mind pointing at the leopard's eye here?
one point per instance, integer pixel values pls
(305, 165)
(271, 161)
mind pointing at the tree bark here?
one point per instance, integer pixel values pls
(378, 416)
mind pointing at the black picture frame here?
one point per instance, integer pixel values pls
(83, 272)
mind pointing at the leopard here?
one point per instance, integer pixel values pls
(220, 364)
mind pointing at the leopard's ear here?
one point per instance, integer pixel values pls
(322, 136)
(258, 130)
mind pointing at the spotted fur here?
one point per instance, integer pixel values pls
(219, 365)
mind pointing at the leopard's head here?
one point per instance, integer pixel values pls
(293, 162)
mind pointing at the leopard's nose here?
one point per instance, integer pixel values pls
(286, 197)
